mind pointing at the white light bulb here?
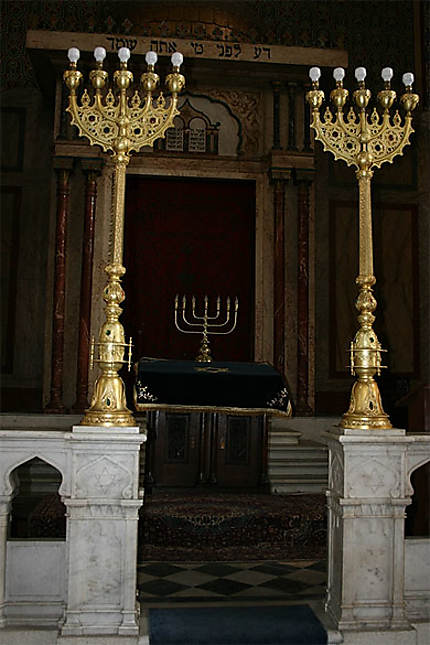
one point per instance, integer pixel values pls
(73, 54)
(408, 78)
(124, 54)
(314, 74)
(360, 74)
(339, 74)
(177, 59)
(387, 74)
(151, 58)
(100, 54)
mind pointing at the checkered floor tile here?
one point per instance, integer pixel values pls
(197, 581)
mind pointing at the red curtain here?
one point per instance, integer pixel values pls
(188, 236)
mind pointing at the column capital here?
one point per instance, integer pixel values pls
(304, 175)
(63, 163)
(92, 165)
(280, 174)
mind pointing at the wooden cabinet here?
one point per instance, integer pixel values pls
(205, 448)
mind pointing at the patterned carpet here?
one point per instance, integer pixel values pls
(195, 526)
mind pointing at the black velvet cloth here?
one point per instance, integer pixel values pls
(210, 385)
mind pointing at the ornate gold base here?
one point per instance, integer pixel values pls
(205, 355)
(119, 418)
(109, 404)
(365, 409)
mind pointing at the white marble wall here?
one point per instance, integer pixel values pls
(378, 582)
(369, 489)
(102, 513)
(91, 586)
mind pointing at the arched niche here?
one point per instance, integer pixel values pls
(36, 509)
(417, 523)
(207, 125)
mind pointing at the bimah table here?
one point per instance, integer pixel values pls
(208, 422)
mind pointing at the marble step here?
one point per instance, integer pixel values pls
(301, 466)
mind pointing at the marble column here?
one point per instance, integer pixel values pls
(4, 523)
(63, 167)
(102, 516)
(91, 169)
(304, 179)
(367, 496)
(279, 179)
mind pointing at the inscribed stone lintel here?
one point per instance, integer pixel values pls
(204, 49)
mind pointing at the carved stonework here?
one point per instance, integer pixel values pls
(100, 552)
(369, 476)
(103, 477)
(336, 475)
(247, 107)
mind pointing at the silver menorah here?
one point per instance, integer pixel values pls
(207, 324)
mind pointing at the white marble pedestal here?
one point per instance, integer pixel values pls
(102, 520)
(368, 492)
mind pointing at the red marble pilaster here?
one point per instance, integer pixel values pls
(92, 170)
(304, 182)
(63, 168)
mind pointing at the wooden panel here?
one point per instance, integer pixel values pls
(176, 449)
(184, 450)
(12, 140)
(10, 214)
(239, 451)
(396, 289)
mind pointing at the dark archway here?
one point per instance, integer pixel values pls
(37, 510)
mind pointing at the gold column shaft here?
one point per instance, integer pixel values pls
(365, 223)
(117, 223)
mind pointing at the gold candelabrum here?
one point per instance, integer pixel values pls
(206, 323)
(365, 142)
(120, 121)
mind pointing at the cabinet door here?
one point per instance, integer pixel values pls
(239, 450)
(176, 449)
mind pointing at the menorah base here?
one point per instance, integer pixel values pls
(365, 409)
(205, 354)
(109, 405)
(108, 420)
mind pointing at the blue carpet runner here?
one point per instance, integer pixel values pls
(288, 625)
